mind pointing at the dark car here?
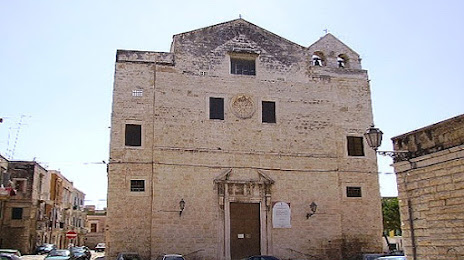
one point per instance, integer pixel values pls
(5, 256)
(81, 252)
(261, 257)
(59, 254)
(44, 249)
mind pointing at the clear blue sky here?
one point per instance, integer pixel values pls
(57, 63)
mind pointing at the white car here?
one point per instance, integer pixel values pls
(100, 247)
(171, 257)
(396, 257)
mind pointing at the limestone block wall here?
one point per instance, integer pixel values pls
(431, 190)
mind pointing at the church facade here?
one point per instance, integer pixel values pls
(239, 142)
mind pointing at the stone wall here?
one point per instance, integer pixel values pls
(431, 190)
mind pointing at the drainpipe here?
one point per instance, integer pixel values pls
(413, 165)
(411, 227)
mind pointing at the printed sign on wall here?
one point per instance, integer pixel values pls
(281, 214)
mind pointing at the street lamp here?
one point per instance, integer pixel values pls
(373, 137)
(181, 206)
(313, 208)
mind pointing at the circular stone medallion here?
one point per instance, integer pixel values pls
(242, 106)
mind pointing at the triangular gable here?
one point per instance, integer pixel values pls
(332, 51)
(239, 21)
(329, 38)
(202, 42)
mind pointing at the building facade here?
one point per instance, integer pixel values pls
(96, 225)
(239, 142)
(67, 213)
(23, 223)
(430, 179)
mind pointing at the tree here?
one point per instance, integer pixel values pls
(391, 215)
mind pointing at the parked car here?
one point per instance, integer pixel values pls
(5, 256)
(44, 249)
(81, 252)
(128, 256)
(11, 251)
(261, 257)
(171, 257)
(100, 247)
(59, 254)
(393, 257)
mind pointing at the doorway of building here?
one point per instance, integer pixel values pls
(245, 236)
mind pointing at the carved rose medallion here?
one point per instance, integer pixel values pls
(242, 106)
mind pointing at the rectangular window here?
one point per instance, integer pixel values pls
(137, 93)
(20, 185)
(137, 185)
(216, 108)
(17, 213)
(269, 115)
(242, 66)
(355, 146)
(133, 135)
(93, 227)
(353, 192)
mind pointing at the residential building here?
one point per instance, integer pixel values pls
(239, 142)
(430, 176)
(67, 213)
(96, 225)
(23, 223)
(77, 220)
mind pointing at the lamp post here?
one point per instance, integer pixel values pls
(373, 138)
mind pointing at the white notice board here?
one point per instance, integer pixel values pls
(281, 214)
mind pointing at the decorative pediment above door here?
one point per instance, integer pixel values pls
(244, 185)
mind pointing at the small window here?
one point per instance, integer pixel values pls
(93, 227)
(137, 93)
(17, 213)
(133, 135)
(355, 146)
(269, 115)
(242, 66)
(353, 192)
(216, 108)
(137, 185)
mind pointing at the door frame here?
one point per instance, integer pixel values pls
(253, 190)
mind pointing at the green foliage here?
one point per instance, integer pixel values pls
(391, 215)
